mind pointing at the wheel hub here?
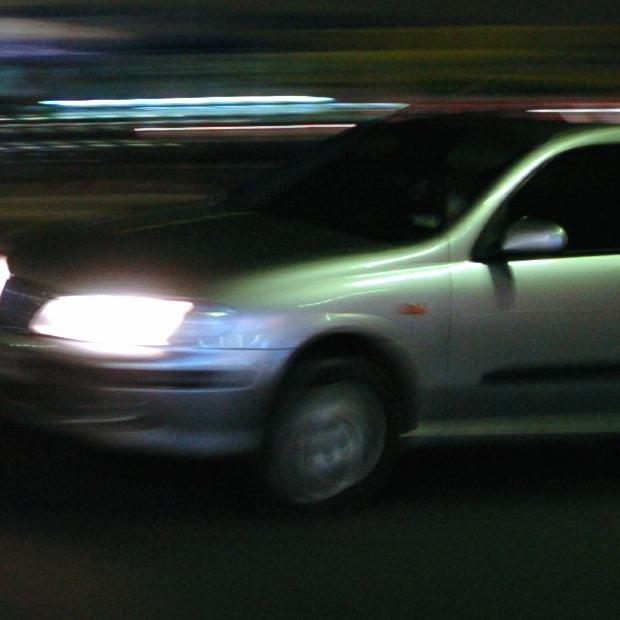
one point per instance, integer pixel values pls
(333, 439)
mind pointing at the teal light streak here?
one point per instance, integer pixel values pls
(184, 101)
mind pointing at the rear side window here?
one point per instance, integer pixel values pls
(580, 191)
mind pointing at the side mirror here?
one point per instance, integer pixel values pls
(531, 236)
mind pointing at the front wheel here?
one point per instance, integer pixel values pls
(333, 433)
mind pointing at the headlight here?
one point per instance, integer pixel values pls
(111, 319)
(4, 272)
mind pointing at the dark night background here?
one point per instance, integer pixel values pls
(77, 49)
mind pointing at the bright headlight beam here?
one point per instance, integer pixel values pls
(111, 320)
(5, 274)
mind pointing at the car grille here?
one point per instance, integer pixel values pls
(19, 302)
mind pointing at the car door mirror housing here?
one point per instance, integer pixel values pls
(532, 236)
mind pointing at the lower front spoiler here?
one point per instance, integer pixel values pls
(215, 423)
(121, 405)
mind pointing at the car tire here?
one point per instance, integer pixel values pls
(333, 434)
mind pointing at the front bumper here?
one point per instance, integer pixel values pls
(179, 400)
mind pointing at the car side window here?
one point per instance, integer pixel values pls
(381, 192)
(580, 191)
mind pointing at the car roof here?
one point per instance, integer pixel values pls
(489, 137)
(496, 126)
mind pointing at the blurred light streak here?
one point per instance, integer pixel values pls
(27, 29)
(249, 128)
(328, 110)
(185, 101)
(21, 51)
(575, 111)
(580, 115)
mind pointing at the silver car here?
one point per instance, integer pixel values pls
(432, 276)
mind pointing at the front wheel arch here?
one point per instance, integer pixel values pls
(390, 357)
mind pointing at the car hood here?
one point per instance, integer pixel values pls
(186, 251)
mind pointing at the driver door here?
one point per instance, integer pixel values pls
(535, 337)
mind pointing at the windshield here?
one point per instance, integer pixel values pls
(389, 182)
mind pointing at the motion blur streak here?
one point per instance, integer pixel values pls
(121, 103)
(250, 127)
(232, 111)
(263, 131)
(574, 110)
(27, 29)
